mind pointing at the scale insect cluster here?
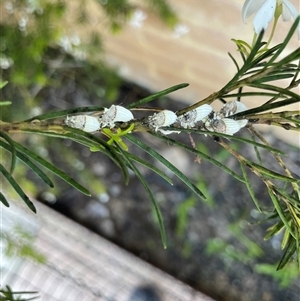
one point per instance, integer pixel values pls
(162, 119)
(86, 123)
(91, 124)
(221, 123)
(115, 114)
(190, 119)
(202, 117)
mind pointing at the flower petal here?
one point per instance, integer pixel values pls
(264, 15)
(289, 9)
(250, 7)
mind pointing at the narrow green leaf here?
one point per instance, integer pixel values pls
(271, 174)
(275, 229)
(269, 106)
(285, 42)
(249, 94)
(168, 164)
(150, 166)
(283, 91)
(266, 54)
(248, 63)
(273, 77)
(250, 189)
(17, 188)
(236, 138)
(258, 156)
(288, 196)
(234, 61)
(295, 78)
(91, 141)
(201, 154)
(5, 103)
(287, 60)
(3, 200)
(110, 150)
(58, 114)
(148, 190)
(52, 168)
(30, 164)
(12, 150)
(280, 211)
(3, 84)
(157, 95)
(285, 69)
(285, 239)
(288, 253)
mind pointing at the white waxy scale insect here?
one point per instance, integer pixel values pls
(86, 123)
(161, 119)
(225, 125)
(115, 114)
(189, 119)
(234, 107)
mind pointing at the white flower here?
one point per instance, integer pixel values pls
(180, 29)
(138, 18)
(265, 10)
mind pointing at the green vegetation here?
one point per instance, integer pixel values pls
(258, 67)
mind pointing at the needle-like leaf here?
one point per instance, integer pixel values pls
(3, 200)
(250, 189)
(148, 190)
(30, 164)
(157, 95)
(17, 188)
(12, 150)
(52, 168)
(168, 164)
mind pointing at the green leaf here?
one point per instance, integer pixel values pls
(258, 156)
(287, 60)
(269, 53)
(168, 164)
(97, 141)
(288, 253)
(154, 204)
(52, 168)
(9, 294)
(5, 103)
(150, 166)
(236, 138)
(201, 154)
(3, 84)
(234, 61)
(250, 189)
(280, 211)
(269, 106)
(58, 114)
(285, 42)
(273, 77)
(248, 63)
(271, 174)
(109, 150)
(17, 188)
(30, 164)
(90, 140)
(157, 95)
(288, 196)
(250, 94)
(12, 150)
(3, 200)
(280, 90)
(275, 229)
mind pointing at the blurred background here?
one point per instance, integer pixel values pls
(64, 54)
